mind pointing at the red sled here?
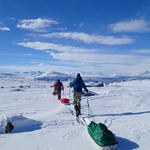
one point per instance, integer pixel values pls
(64, 100)
(54, 93)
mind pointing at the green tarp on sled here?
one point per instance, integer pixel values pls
(101, 135)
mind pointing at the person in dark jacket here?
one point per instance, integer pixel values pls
(78, 85)
(58, 86)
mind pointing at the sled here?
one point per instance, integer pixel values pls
(102, 136)
(92, 130)
(104, 140)
(54, 93)
(64, 101)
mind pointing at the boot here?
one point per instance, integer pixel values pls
(59, 96)
(77, 110)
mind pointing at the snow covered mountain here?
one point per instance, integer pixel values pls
(49, 76)
(8, 74)
(145, 74)
(33, 73)
(88, 77)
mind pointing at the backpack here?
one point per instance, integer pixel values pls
(58, 87)
(77, 85)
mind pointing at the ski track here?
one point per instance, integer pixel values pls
(43, 123)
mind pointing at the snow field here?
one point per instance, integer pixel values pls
(43, 123)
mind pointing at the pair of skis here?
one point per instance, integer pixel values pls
(80, 119)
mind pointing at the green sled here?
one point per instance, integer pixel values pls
(101, 135)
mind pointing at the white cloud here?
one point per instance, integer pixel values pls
(82, 55)
(138, 25)
(125, 69)
(27, 54)
(4, 29)
(87, 38)
(144, 51)
(41, 68)
(39, 24)
(85, 67)
(12, 18)
(97, 58)
(107, 63)
(51, 46)
(81, 24)
(85, 59)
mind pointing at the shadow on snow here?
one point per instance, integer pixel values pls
(23, 124)
(125, 144)
(122, 114)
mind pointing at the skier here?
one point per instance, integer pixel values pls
(58, 86)
(77, 85)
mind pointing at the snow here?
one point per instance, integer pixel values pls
(43, 123)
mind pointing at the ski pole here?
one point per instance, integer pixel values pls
(89, 109)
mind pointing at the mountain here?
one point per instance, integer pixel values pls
(92, 74)
(49, 76)
(54, 76)
(7, 74)
(33, 73)
(145, 74)
(87, 76)
(11, 75)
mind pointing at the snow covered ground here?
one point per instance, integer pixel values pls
(43, 123)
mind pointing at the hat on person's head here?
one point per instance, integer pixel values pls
(78, 75)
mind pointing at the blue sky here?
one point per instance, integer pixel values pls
(108, 36)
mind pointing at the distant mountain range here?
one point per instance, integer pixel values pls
(33, 73)
(145, 74)
(91, 76)
(47, 76)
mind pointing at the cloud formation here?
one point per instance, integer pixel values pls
(138, 25)
(83, 55)
(39, 24)
(98, 58)
(51, 46)
(84, 67)
(144, 51)
(4, 29)
(87, 38)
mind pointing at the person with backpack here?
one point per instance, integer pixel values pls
(77, 85)
(58, 86)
